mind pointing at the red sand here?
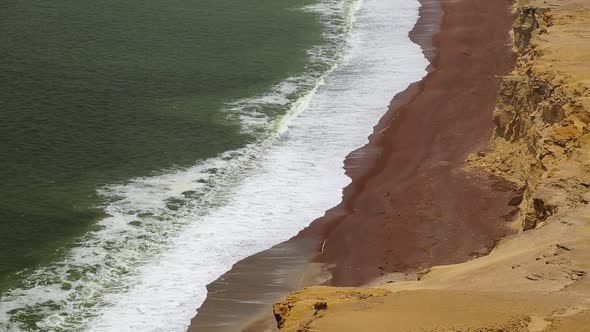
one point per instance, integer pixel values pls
(410, 204)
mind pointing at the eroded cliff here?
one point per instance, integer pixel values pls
(542, 115)
(536, 280)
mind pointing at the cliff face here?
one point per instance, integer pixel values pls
(542, 114)
(537, 279)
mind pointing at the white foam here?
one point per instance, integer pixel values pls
(297, 181)
(152, 276)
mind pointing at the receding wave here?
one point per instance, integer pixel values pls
(167, 236)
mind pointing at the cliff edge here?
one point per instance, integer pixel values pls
(535, 280)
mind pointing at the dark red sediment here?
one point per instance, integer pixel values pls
(410, 204)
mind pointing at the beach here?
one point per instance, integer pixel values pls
(410, 205)
(534, 279)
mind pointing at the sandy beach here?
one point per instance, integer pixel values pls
(410, 205)
(534, 280)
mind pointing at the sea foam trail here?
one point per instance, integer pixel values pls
(299, 178)
(170, 235)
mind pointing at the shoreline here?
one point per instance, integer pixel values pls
(537, 279)
(410, 194)
(304, 271)
(337, 242)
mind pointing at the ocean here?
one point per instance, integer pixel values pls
(148, 146)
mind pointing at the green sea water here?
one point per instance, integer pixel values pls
(98, 92)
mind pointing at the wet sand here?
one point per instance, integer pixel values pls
(244, 295)
(410, 205)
